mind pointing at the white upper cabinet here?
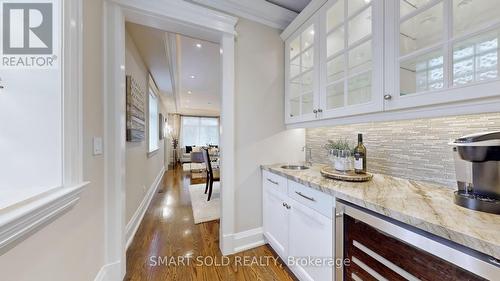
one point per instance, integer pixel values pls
(364, 57)
(351, 57)
(440, 51)
(302, 73)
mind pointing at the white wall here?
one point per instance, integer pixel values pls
(72, 247)
(261, 137)
(141, 169)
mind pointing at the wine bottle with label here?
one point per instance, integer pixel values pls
(360, 156)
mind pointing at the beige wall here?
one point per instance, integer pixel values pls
(72, 247)
(141, 170)
(260, 134)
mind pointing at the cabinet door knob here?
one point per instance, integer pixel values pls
(387, 97)
(320, 110)
(315, 111)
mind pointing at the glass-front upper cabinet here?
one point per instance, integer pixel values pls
(441, 51)
(301, 73)
(351, 57)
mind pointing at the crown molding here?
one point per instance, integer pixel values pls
(256, 10)
(183, 11)
(308, 12)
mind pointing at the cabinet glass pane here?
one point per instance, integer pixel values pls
(476, 59)
(360, 58)
(295, 67)
(307, 59)
(335, 68)
(295, 47)
(360, 26)
(469, 15)
(422, 30)
(307, 82)
(295, 87)
(421, 74)
(335, 96)
(355, 5)
(295, 107)
(307, 103)
(408, 6)
(359, 88)
(308, 37)
(335, 15)
(335, 41)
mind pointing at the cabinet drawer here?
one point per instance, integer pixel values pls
(270, 180)
(316, 200)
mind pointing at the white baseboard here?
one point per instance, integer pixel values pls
(136, 219)
(244, 240)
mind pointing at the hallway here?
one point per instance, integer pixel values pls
(168, 231)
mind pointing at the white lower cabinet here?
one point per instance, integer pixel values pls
(302, 236)
(310, 243)
(275, 216)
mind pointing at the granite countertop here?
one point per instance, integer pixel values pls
(426, 206)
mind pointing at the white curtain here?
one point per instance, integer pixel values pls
(199, 131)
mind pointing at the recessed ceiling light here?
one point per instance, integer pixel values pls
(221, 51)
(312, 32)
(189, 92)
(191, 76)
(198, 45)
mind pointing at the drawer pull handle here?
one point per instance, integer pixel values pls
(307, 197)
(273, 182)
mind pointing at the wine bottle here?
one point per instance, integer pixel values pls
(360, 156)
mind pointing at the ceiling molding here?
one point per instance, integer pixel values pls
(308, 11)
(179, 10)
(257, 10)
(173, 62)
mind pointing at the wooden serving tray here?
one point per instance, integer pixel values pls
(331, 173)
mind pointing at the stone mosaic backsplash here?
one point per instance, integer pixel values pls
(411, 149)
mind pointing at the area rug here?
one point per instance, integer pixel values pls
(204, 210)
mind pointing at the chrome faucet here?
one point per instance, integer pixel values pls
(308, 151)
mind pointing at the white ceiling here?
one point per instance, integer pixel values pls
(151, 45)
(190, 96)
(292, 5)
(199, 95)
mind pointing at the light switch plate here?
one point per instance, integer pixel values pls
(97, 144)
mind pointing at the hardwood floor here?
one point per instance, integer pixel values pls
(169, 246)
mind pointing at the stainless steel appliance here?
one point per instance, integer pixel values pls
(477, 165)
(385, 249)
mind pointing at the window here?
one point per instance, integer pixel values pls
(301, 72)
(200, 131)
(40, 132)
(153, 133)
(348, 53)
(447, 44)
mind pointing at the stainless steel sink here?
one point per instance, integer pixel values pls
(295, 167)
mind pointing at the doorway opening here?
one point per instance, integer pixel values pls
(217, 28)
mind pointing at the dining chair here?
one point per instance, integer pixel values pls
(212, 174)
